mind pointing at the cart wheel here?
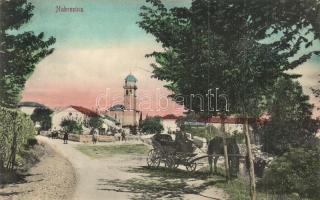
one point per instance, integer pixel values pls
(170, 163)
(191, 167)
(153, 159)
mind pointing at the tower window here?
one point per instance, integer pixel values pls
(126, 92)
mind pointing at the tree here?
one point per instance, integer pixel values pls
(296, 171)
(95, 122)
(152, 125)
(291, 124)
(71, 126)
(43, 116)
(316, 92)
(218, 44)
(19, 52)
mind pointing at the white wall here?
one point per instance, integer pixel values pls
(28, 110)
(169, 124)
(58, 116)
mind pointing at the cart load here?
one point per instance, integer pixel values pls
(172, 153)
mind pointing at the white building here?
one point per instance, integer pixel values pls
(77, 113)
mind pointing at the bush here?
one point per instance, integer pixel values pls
(296, 171)
(151, 125)
(31, 142)
(71, 126)
(15, 129)
(95, 122)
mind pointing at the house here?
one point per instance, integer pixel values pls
(169, 123)
(78, 113)
(127, 114)
(82, 115)
(28, 106)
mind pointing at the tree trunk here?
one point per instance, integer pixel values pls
(253, 194)
(225, 149)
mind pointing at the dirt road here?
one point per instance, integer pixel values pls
(118, 177)
(52, 178)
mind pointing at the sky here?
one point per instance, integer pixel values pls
(94, 52)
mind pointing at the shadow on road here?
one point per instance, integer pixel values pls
(159, 183)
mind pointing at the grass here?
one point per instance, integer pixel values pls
(100, 151)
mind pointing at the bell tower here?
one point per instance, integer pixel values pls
(130, 97)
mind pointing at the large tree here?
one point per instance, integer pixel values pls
(241, 47)
(43, 116)
(19, 51)
(290, 124)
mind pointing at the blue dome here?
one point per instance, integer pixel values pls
(117, 107)
(130, 78)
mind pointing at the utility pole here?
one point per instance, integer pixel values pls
(225, 147)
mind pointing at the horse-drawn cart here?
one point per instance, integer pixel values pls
(172, 153)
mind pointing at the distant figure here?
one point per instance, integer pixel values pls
(65, 138)
(54, 134)
(123, 136)
(94, 136)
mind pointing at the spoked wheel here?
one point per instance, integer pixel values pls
(191, 167)
(170, 163)
(153, 159)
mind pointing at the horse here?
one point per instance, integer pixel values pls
(215, 146)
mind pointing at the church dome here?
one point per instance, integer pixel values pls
(130, 78)
(117, 107)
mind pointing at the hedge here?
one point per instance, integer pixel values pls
(15, 130)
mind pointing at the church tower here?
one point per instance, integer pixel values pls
(130, 98)
(130, 92)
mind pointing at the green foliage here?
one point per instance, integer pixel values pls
(152, 125)
(213, 44)
(31, 142)
(291, 123)
(15, 130)
(43, 116)
(296, 171)
(316, 92)
(207, 132)
(20, 52)
(71, 126)
(95, 122)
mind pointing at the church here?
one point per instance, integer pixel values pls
(127, 114)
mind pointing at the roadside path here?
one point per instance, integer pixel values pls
(111, 178)
(52, 178)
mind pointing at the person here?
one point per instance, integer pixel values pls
(65, 138)
(123, 136)
(94, 136)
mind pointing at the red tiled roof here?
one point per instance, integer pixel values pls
(170, 116)
(85, 111)
(234, 120)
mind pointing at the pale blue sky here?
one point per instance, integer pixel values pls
(103, 22)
